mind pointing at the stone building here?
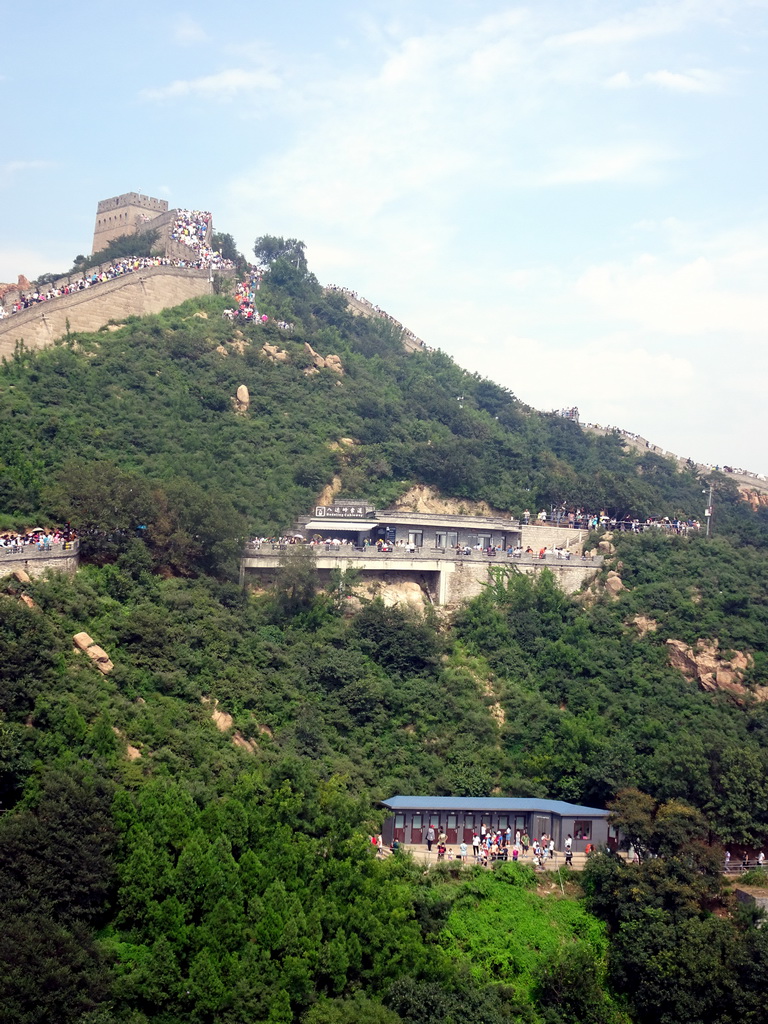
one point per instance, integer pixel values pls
(449, 557)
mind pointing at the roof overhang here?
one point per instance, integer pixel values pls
(352, 525)
(488, 804)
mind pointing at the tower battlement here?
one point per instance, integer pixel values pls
(132, 199)
(126, 214)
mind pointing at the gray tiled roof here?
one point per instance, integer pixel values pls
(485, 803)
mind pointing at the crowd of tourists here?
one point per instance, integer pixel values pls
(12, 542)
(128, 265)
(191, 227)
(246, 311)
(578, 518)
(489, 846)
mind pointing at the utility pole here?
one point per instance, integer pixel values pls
(708, 509)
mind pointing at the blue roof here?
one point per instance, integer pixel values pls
(491, 803)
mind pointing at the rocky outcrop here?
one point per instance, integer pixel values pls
(224, 722)
(275, 354)
(605, 545)
(423, 498)
(330, 362)
(612, 586)
(756, 499)
(644, 624)
(329, 492)
(22, 286)
(706, 665)
(83, 642)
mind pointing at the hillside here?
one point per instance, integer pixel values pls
(186, 836)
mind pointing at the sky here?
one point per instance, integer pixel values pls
(567, 197)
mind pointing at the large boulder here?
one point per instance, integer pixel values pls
(82, 641)
(275, 354)
(613, 584)
(100, 657)
(242, 399)
(333, 363)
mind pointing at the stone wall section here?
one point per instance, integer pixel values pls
(538, 537)
(137, 294)
(465, 580)
(36, 564)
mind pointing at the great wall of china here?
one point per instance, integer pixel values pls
(151, 289)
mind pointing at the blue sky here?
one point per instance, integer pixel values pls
(567, 197)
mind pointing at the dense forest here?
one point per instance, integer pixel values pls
(158, 869)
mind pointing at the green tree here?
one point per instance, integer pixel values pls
(269, 249)
(296, 580)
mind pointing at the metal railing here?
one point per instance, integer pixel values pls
(270, 549)
(21, 552)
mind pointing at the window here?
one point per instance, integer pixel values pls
(469, 821)
(446, 540)
(416, 537)
(503, 821)
(452, 821)
(434, 820)
(416, 821)
(582, 830)
(484, 540)
(399, 821)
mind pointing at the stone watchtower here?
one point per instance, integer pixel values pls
(125, 215)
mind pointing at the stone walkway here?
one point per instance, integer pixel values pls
(420, 853)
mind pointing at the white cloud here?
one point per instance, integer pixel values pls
(223, 86)
(640, 24)
(715, 291)
(695, 80)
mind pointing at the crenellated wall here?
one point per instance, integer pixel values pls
(144, 291)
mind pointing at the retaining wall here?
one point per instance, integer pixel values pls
(36, 562)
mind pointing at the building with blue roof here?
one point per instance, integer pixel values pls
(460, 818)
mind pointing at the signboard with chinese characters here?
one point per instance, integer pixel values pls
(344, 510)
